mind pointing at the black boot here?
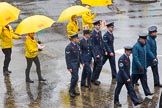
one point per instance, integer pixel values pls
(27, 77)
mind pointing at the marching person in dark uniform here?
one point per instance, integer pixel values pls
(152, 54)
(98, 52)
(123, 78)
(139, 63)
(108, 40)
(72, 56)
(86, 55)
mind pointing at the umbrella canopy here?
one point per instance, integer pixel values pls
(34, 24)
(97, 2)
(8, 13)
(74, 10)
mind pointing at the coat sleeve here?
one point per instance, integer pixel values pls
(105, 40)
(149, 52)
(121, 66)
(14, 36)
(80, 52)
(68, 57)
(135, 57)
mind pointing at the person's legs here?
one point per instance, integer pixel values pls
(38, 69)
(7, 52)
(27, 71)
(113, 66)
(155, 75)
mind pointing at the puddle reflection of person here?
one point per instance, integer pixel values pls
(9, 101)
(34, 102)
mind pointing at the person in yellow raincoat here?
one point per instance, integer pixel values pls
(87, 20)
(73, 26)
(31, 54)
(6, 37)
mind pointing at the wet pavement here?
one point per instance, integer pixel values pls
(129, 17)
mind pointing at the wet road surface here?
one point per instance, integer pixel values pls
(129, 17)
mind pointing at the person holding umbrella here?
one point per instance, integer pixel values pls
(87, 19)
(30, 26)
(72, 26)
(6, 36)
(31, 54)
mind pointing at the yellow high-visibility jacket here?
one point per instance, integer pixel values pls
(6, 37)
(72, 28)
(31, 47)
(87, 19)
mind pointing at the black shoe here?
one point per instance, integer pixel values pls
(117, 104)
(138, 103)
(97, 82)
(6, 73)
(137, 84)
(9, 71)
(158, 85)
(41, 79)
(29, 81)
(72, 94)
(149, 94)
(76, 93)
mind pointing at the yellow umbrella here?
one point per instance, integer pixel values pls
(97, 2)
(74, 10)
(8, 13)
(34, 24)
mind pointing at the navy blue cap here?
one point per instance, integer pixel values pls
(74, 36)
(143, 35)
(96, 22)
(128, 48)
(152, 29)
(86, 32)
(110, 24)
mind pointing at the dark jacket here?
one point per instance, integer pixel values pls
(108, 40)
(86, 49)
(151, 51)
(139, 59)
(124, 69)
(72, 55)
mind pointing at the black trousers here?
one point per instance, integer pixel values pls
(29, 64)
(7, 52)
(143, 79)
(130, 90)
(112, 64)
(155, 74)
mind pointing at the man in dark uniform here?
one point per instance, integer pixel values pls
(139, 63)
(108, 40)
(86, 55)
(152, 54)
(123, 77)
(73, 60)
(98, 52)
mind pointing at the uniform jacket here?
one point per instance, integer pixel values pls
(151, 50)
(87, 19)
(72, 56)
(6, 37)
(108, 40)
(72, 28)
(124, 69)
(139, 58)
(31, 48)
(86, 50)
(97, 43)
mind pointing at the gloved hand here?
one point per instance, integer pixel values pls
(141, 69)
